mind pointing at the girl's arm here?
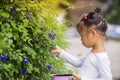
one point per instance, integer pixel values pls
(71, 59)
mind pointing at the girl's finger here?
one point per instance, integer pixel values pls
(73, 78)
(75, 75)
(53, 51)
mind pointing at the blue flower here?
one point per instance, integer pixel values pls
(3, 57)
(22, 71)
(25, 60)
(49, 66)
(11, 10)
(32, 41)
(51, 36)
(37, 41)
(27, 16)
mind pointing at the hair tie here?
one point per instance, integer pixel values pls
(85, 17)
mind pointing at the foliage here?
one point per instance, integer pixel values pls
(113, 16)
(28, 31)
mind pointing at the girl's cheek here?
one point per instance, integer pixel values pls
(81, 38)
(82, 41)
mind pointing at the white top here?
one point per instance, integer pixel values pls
(92, 66)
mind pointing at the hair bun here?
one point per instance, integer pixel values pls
(91, 15)
(97, 10)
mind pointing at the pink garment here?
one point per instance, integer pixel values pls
(62, 77)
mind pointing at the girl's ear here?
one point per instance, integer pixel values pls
(93, 33)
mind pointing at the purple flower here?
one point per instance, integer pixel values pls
(25, 60)
(3, 57)
(51, 36)
(37, 41)
(27, 16)
(22, 71)
(32, 41)
(49, 66)
(11, 10)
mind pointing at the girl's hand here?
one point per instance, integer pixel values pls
(76, 77)
(56, 51)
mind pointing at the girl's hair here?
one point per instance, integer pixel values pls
(94, 18)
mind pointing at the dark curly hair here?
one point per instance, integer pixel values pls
(94, 18)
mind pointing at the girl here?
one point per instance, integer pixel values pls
(95, 65)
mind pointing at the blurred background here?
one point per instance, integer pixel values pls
(71, 15)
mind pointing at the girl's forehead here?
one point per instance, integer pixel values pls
(81, 24)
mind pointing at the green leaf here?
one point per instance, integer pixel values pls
(36, 69)
(29, 68)
(20, 58)
(13, 23)
(30, 51)
(4, 14)
(1, 50)
(7, 67)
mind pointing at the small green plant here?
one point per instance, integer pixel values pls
(28, 31)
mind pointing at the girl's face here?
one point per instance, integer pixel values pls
(87, 37)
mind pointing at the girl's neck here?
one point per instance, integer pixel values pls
(99, 46)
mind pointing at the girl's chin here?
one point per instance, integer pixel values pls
(87, 46)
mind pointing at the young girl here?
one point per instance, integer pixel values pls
(95, 65)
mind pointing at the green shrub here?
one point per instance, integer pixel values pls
(28, 31)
